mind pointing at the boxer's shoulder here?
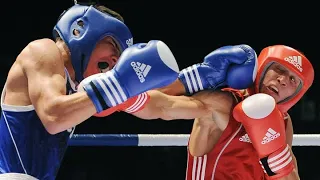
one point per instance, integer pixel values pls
(39, 52)
(40, 46)
(217, 99)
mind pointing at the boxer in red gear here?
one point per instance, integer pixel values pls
(220, 147)
(262, 113)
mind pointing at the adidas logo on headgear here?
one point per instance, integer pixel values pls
(270, 135)
(296, 61)
(129, 42)
(141, 70)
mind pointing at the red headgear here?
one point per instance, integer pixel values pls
(292, 60)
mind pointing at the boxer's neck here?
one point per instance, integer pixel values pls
(66, 57)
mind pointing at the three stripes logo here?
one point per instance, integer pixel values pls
(192, 79)
(245, 138)
(270, 135)
(296, 61)
(140, 101)
(141, 70)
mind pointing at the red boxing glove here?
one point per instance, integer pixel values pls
(265, 126)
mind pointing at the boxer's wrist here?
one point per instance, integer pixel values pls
(179, 87)
(136, 103)
(279, 163)
(176, 88)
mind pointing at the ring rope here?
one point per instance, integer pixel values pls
(162, 140)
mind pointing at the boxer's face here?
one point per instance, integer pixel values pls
(103, 57)
(279, 82)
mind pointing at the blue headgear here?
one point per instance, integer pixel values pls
(95, 26)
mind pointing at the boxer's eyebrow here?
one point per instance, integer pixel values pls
(111, 41)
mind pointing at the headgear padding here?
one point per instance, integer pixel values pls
(92, 26)
(294, 61)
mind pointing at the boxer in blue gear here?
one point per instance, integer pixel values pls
(39, 104)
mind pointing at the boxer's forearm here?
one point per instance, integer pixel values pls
(294, 160)
(168, 107)
(292, 176)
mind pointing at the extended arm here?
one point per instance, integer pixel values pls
(168, 107)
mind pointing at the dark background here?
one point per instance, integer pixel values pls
(191, 30)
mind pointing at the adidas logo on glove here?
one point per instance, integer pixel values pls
(141, 70)
(270, 135)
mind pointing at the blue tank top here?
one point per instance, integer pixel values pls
(25, 145)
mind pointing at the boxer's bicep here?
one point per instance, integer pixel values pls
(44, 70)
(204, 135)
(220, 105)
(207, 130)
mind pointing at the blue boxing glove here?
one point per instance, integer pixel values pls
(233, 66)
(141, 67)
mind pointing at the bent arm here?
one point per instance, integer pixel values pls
(47, 90)
(168, 107)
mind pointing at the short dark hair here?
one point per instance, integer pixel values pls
(109, 11)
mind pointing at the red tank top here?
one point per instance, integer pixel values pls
(232, 158)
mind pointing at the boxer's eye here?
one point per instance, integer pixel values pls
(76, 32)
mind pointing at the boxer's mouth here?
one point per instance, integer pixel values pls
(273, 89)
(103, 67)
